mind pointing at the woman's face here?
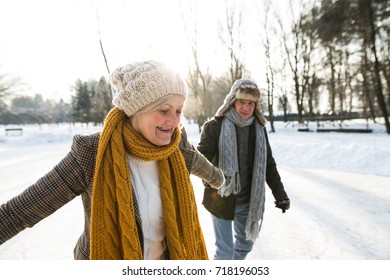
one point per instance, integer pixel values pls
(244, 108)
(158, 126)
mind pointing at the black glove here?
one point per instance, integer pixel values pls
(283, 204)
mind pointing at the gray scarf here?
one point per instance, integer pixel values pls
(228, 162)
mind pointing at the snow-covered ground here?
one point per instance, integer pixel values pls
(338, 183)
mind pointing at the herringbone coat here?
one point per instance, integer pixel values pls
(73, 176)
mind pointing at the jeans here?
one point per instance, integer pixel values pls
(223, 231)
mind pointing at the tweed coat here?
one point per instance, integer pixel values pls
(223, 207)
(73, 176)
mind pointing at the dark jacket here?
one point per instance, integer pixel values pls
(223, 207)
(71, 177)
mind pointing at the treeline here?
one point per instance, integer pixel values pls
(90, 103)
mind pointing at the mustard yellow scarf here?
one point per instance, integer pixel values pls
(114, 233)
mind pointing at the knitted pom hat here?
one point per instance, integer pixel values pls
(243, 89)
(139, 84)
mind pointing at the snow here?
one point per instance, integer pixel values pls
(338, 183)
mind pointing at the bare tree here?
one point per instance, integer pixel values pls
(100, 39)
(101, 45)
(368, 102)
(293, 56)
(269, 68)
(8, 85)
(198, 80)
(230, 32)
(282, 85)
(379, 89)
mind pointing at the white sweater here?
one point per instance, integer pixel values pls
(146, 184)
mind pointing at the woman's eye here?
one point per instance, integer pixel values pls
(165, 112)
(178, 112)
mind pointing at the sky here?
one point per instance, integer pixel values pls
(338, 184)
(49, 44)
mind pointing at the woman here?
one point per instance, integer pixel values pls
(133, 177)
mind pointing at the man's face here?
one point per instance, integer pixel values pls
(244, 108)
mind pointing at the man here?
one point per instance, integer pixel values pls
(236, 140)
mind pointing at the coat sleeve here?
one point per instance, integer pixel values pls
(209, 138)
(208, 144)
(272, 175)
(59, 186)
(199, 165)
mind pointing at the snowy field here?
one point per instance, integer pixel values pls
(338, 183)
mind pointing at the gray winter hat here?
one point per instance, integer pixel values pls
(238, 91)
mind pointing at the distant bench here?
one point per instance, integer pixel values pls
(13, 131)
(345, 130)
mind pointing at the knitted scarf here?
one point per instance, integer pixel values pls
(228, 162)
(114, 233)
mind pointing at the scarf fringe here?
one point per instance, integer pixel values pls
(232, 186)
(252, 230)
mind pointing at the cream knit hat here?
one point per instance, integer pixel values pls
(139, 84)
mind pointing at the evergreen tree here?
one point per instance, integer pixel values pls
(105, 90)
(102, 100)
(81, 103)
(61, 112)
